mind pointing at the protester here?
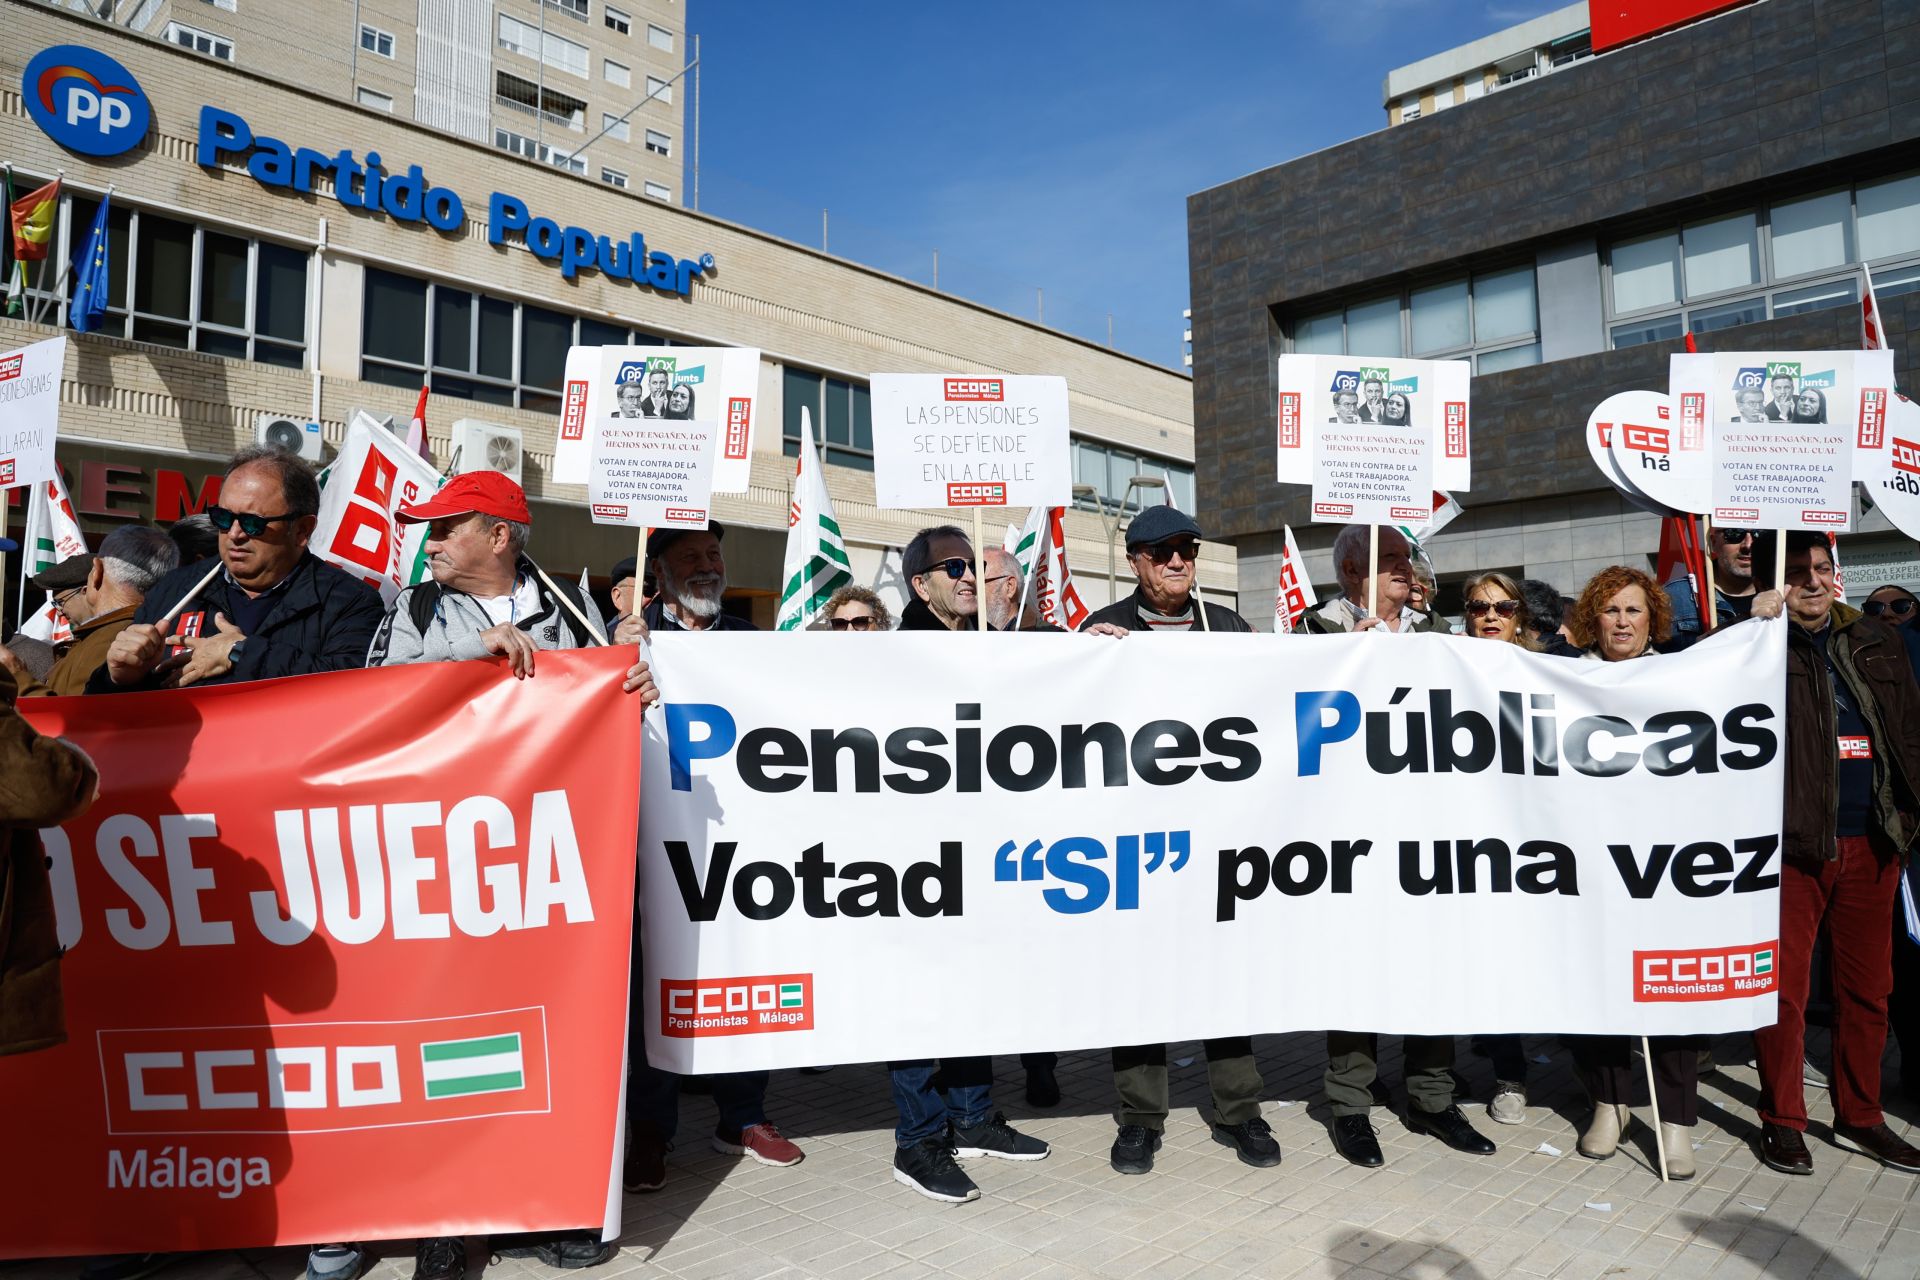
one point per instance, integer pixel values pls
(1392, 579)
(1621, 614)
(196, 538)
(854, 608)
(1894, 605)
(942, 581)
(1163, 549)
(1422, 590)
(272, 608)
(1733, 587)
(692, 575)
(622, 578)
(98, 595)
(1852, 778)
(1004, 584)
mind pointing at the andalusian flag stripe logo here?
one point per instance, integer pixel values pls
(488, 1064)
(791, 995)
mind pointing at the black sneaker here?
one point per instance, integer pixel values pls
(1133, 1149)
(1252, 1140)
(563, 1250)
(998, 1139)
(928, 1167)
(645, 1168)
(440, 1258)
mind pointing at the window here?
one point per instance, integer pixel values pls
(1410, 108)
(231, 6)
(1818, 297)
(1889, 218)
(1440, 319)
(617, 20)
(1491, 317)
(199, 41)
(1109, 469)
(575, 8)
(614, 178)
(1373, 328)
(616, 127)
(528, 41)
(1646, 273)
(659, 143)
(521, 145)
(1721, 255)
(551, 105)
(373, 98)
(374, 40)
(842, 418)
(1811, 235)
(659, 90)
(660, 37)
(1320, 335)
(657, 192)
(1570, 49)
(617, 73)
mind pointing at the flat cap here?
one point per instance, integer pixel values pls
(1157, 524)
(69, 573)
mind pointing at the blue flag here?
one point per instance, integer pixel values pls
(90, 273)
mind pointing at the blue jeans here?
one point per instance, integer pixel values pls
(653, 1095)
(929, 1093)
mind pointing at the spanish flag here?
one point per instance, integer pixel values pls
(32, 216)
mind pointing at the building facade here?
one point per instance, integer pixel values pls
(242, 294)
(1734, 177)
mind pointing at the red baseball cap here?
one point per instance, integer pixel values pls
(488, 492)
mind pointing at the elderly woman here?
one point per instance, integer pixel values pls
(1619, 617)
(857, 609)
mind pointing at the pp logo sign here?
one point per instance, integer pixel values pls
(85, 101)
(1752, 377)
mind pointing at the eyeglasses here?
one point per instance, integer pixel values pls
(1872, 608)
(865, 623)
(1161, 552)
(254, 526)
(60, 598)
(956, 567)
(1731, 536)
(1505, 608)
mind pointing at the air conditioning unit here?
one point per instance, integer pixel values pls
(289, 435)
(487, 446)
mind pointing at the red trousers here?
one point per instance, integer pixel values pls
(1852, 897)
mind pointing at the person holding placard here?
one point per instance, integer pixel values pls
(1392, 587)
(1733, 586)
(692, 575)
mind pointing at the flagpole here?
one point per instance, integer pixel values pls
(979, 573)
(1046, 531)
(1373, 570)
(46, 299)
(1710, 618)
(593, 632)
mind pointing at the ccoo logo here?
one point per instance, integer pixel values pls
(85, 101)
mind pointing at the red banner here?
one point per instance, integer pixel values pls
(346, 960)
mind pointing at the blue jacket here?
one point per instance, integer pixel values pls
(1686, 614)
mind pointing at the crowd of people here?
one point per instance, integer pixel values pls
(236, 595)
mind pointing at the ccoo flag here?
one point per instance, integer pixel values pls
(91, 272)
(816, 564)
(1293, 594)
(53, 534)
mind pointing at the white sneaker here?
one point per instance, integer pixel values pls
(1509, 1105)
(1810, 1074)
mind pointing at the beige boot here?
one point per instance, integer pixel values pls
(1677, 1140)
(1603, 1135)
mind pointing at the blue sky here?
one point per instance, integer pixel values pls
(1046, 143)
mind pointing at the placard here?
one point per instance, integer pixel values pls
(1634, 417)
(652, 455)
(30, 411)
(721, 385)
(1890, 475)
(970, 440)
(1433, 394)
(372, 477)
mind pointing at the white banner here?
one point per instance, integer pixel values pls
(1430, 394)
(719, 385)
(30, 411)
(1058, 849)
(970, 440)
(374, 475)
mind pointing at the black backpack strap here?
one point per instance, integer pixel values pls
(422, 603)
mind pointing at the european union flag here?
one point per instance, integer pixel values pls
(90, 273)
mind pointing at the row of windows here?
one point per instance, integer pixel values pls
(562, 54)
(1492, 317)
(1110, 471)
(617, 20)
(214, 46)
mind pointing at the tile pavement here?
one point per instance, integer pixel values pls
(1430, 1212)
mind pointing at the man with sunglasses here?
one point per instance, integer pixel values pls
(1163, 550)
(273, 609)
(98, 594)
(1733, 588)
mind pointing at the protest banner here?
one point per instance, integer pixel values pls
(372, 477)
(370, 989)
(968, 865)
(715, 386)
(1433, 394)
(29, 411)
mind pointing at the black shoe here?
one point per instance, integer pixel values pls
(564, 1250)
(1784, 1149)
(1043, 1090)
(1252, 1140)
(997, 1138)
(440, 1258)
(1880, 1142)
(1133, 1149)
(645, 1168)
(1354, 1138)
(1451, 1128)
(928, 1167)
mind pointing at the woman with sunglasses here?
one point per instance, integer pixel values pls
(857, 609)
(1896, 606)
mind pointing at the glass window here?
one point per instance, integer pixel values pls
(1319, 335)
(199, 41)
(1503, 305)
(223, 280)
(1646, 273)
(578, 8)
(659, 90)
(1121, 467)
(1816, 297)
(396, 318)
(617, 73)
(544, 339)
(1722, 254)
(838, 428)
(1373, 329)
(452, 328)
(614, 178)
(598, 333)
(616, 127)
(164, 285)
(659, 192)
(1659, 329)
(1889, 218)
(660, 37)
(1182, 478)
(374, 40)
(1890, 283)
(659, 143)
(616, 20)
(799, 390)
(1440, 321)
(1727, 315)
(1811, 235)
(373, 98)
(862, 419)
(1509, 358)
(495, 348)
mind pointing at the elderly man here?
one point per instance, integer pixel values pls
(1852, 778)
(691, 573)
(99, 594)
(272, 609)
(1389, 585)
(942, 581)
(624, 585)
(1163, 548)
(488, 599)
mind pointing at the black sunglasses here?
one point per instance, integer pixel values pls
(1731, 536)
(1872, 608)
(856, 624)
(254, 526)
(1161, 552)
(1505, 608)
(956, 567)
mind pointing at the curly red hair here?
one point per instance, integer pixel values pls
(1583, 620)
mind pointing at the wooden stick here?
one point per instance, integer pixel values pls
(1653, 1099)
(1780, 564)
(593, 632)
(167, 618)
(1199, 601)
(1373, 571)
(979, 574)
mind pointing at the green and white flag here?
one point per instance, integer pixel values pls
(488, 1064)
(53, 535)
(816, 564)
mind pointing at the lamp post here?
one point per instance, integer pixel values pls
(1111, 522)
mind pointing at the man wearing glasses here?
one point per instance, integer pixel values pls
(274, 609)
(1733, 588)
(98, 594)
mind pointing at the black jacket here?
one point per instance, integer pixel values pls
(1126, 613)
(657, 618)
(917, 616)
(324, 621)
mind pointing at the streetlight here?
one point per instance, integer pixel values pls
(1112, 525)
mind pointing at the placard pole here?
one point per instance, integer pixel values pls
(1653, 1099)
(979, 573)
(1373, 571)
(1780, 565)
(1710, 617)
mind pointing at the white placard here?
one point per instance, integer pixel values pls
(1432, 394)
(1890, 474)
(651, 459)
(723, 381)
(372, 477)
(1632, 414)
(1781, 430)
(970, 440)
(30, 411)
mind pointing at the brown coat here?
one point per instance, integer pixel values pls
(87, 654)
(43, 781)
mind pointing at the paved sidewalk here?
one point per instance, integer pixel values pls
(1429, 1212)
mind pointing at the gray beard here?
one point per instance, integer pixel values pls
(688, 600)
